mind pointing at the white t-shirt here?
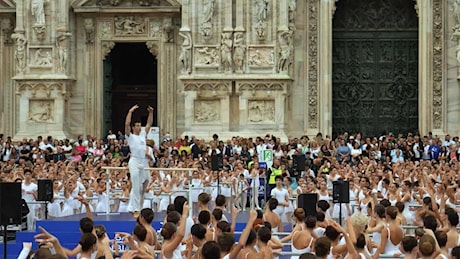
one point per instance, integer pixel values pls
(137, 144)
(280, 194)
(31, 187)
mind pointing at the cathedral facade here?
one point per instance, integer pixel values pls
(234, 67)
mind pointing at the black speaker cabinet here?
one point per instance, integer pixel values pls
(308, 202)
(299, 162)
(217, 162)
(341, 191)
(10, 203)
(45, 190)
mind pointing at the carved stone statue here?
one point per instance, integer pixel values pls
(238, 52)
(89, 30)
(186, 52)
(20, 51)
(62, 48)
(168, 30)
(38, 11)
(208, 10)
(262, 10)
(285, 50)
(456, 11)
(226, 51)
(292, 7)
(7, 29)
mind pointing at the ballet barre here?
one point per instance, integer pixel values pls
(109, 168)
(107, 188)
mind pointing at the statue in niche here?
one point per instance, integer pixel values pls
(168, 30)
(285, 51)
(41, 112)
(20, 51)
(262, 10)
(42, 58)
(129, 25)
(292, 7)
(226, 51)
(38, 11)
(89, 30)
(186, 52)
(62, 44)
(208, 10)
(238, 52)
(456, 10)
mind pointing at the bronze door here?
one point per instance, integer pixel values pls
(375, 67)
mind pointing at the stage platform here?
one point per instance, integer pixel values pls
(66, 229)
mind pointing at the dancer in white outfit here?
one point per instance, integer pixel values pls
(137, 161)
(29, 193)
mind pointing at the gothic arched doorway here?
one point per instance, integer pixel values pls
(130, 77)
(375, 67)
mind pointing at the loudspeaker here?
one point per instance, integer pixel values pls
(45, 190)
(10, 203)
(341, 191)
(217, 162)
(299, 162)
(308, 202)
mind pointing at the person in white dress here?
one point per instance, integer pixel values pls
(123, 207)
(137, 161)
(54, 208)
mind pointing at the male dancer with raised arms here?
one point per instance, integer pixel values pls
(137, 161)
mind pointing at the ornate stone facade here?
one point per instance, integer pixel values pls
(246, 67)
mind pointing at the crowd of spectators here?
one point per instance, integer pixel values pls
(395, 181)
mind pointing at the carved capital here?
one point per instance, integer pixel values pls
(153, 47)
(7, 29)
(106, 48)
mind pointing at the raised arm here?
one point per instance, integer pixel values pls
(149, 119)
(128, 119)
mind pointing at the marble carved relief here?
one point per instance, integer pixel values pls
(207, 111)
(41, 111)
(206, 56)
(261, 57)
(261, 111)
(129, 25)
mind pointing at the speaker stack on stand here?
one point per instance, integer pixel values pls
(10, 209)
